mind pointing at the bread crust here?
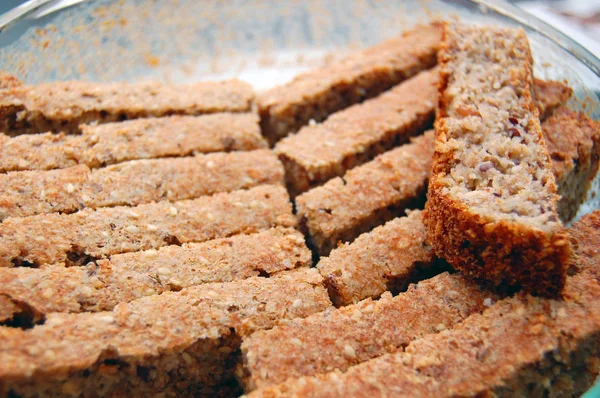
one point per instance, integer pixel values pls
(482, 246)
(63, 106)
(318, 93)
(105, 144)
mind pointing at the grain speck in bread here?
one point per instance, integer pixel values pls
(384, 259)
(176, 343)
(125, 277)
(367, 196)
(573, 142)
(76, 239)
(520, 346)
(358, 134)
(63, 106)
(110, 143)
(358, 332)
(492, 204)
(319, 93)
(27, 193)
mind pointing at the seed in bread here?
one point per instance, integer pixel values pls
(27, 193)
(125, 277)
(78, 238)
(358, 332)
(175, 343)
(367, 196)
(63, 106)
(492, 205)
(110, 143)
(384, 259)
(317, 94)
(573, 142)
(520, 346)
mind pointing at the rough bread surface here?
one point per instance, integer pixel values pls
(358, 134)
(316, 94)
(386, 258)
(359, 332)
(125, 277)
(76, 239)
(520, 346)
(573, 142)
(110, 143)
(492, 202)
(366, 196)
(63, 106)
(27, 193)
(176, 343)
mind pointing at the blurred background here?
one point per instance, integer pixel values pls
(579, 19)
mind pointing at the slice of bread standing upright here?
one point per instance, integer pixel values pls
(492, 202)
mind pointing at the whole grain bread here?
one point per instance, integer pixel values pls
(63, 106)
(520, 346)
(105, 144)
(492, 204)
(317, 94)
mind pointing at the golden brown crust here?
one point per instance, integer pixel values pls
(548, 95)
(367, 196)
(358, 134)
(76, 239)
(129, 276)
(573, 142)
(319, 93)
(491, 246)
(361, 331)
(520, 346)
(28, 193)
(176, 342)
(110, 143)
(63, 106)
(384, 259)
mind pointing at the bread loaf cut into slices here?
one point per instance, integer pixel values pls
(492, 202)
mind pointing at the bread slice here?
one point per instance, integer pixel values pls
(358, 332)
(110, 143)
(176, 343)
(520, 346)
(358, 134)
(28, 193)
(63, 106)
(573, 141)
(32, 293)
(492, 202)
(387, 258)
(548, 95)
(76, 239)
(366, 196)
(318, 93)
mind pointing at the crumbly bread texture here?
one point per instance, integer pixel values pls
(63, 106)
(27, 193)
(371, 194)
(176, 343)
(318, 93)
(358, 332)
(520, 346)
(31, 293)
(387, 258)
(548, 95)
(76, 239)
(110, 143)
(492, 205)
(573, 142)
(367, 196)
(358, 134)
